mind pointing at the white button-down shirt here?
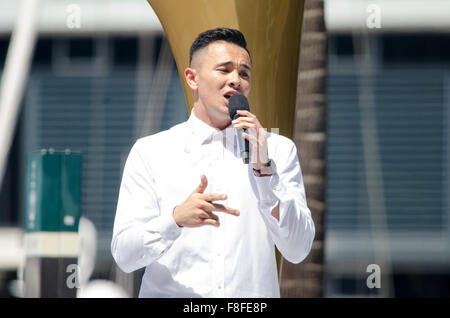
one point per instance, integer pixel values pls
(236, 259)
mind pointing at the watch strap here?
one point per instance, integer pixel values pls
(267, 170)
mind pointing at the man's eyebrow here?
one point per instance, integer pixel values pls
(246, 66)
(229, 62)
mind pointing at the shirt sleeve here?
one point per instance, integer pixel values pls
(142, 232)
(294, 233)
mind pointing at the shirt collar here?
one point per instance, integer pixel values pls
(200, 132)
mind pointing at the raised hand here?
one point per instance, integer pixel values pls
(197, 209)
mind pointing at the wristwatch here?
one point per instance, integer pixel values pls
(267, 169)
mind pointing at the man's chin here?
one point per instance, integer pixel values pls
(219, 113)
(223, 115)
(222, 110)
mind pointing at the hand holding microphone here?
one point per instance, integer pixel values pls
(244, 121)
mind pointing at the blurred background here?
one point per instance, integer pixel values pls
(102, 75)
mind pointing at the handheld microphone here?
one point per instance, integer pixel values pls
(235, 103)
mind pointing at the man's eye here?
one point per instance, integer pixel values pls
(244, 74)
(223, 70)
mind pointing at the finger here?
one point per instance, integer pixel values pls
(221, 208)
(252, 139)
(247, 125)
(245, 113)
(213, 197)
(207, 215)
(244, 119)
(259, 141)
(258, 146)
(213, 216)
(253, 142)
(255, 151)
(210, 222)
(202, 186)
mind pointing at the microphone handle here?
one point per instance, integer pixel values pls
(244, 147)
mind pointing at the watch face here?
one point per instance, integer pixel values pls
(270, 168)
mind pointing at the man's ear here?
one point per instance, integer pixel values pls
(191, 77)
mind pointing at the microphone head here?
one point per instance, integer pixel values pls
(237, 102)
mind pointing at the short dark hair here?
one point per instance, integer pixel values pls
(217, 34)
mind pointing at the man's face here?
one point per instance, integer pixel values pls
(222, 69)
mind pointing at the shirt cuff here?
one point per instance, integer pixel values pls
(268, 199)
(266, 187)
(166, 226)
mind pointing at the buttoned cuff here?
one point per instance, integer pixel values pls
(166, 226)
(267, 186)
(169, 231)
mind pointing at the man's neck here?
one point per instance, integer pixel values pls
(205, 117)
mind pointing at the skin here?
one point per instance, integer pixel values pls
(216, 71)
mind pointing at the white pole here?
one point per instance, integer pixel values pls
(14, 77)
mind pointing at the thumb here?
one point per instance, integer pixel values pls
(203, 184)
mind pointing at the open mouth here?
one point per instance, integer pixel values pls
(227, 98)
(228, 95)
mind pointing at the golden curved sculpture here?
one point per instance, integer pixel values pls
(272, 29)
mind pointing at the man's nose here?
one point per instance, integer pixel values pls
(235, 79)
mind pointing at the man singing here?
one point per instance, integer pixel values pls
(201, 222)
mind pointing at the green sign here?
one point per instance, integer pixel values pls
(53, 191)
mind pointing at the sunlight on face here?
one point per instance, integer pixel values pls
(222, 69)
